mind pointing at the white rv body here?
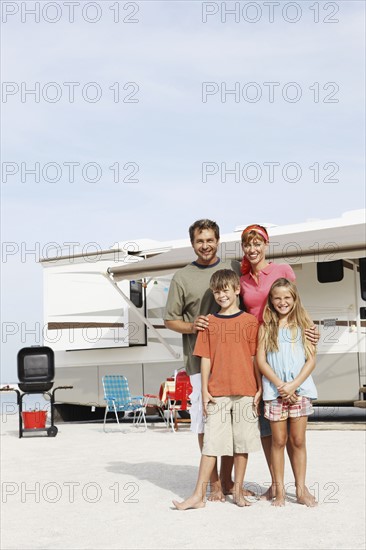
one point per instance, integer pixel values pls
(94, 328)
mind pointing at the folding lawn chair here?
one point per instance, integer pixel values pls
(178, 401)
(118, 398)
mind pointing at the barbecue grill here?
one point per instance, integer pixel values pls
(36, 371)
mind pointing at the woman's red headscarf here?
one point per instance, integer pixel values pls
(262, 232)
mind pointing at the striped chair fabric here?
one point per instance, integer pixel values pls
(118, 399)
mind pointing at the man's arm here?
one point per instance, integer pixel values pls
(174, 312)
(199, 324)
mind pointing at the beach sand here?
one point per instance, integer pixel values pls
(85, 489)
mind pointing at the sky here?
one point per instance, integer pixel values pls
(130, 120)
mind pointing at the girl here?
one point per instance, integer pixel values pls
(258, 275)
(286, 359)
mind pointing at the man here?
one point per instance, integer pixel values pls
(190, 301)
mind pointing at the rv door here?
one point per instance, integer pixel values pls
(83, 311)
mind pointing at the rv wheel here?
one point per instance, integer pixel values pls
(52, 431)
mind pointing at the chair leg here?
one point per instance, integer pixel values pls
(116, 413)
(105, 417)
(138, 417)
(161, 413)
(171, 420)
(167, 418)
(143, 417)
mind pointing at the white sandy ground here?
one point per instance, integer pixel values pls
(85, 489)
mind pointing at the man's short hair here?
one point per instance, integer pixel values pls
(204, 224)
(224, 278)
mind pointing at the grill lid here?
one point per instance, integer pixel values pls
(36, 364)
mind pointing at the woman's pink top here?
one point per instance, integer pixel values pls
(255, 295)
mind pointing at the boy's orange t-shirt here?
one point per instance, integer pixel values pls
(230, 342)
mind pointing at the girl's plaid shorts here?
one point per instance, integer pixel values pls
(279, 410)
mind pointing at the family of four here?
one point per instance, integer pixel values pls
(244, 366)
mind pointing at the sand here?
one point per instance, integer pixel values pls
(85, 489)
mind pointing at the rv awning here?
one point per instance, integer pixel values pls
(291, 244)
(161, 264)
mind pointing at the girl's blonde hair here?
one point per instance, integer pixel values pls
(298, 318)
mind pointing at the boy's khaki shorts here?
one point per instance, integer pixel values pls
(231, 427)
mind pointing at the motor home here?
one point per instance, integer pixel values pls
(104, 310)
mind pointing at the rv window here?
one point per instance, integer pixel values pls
(136, 293)
(363, 277)
(330, 272)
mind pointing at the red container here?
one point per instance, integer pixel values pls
(34, 419)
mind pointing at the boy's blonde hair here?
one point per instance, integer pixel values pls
(223, 278)
(298, 318)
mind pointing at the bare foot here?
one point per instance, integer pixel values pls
(269, 494)
(307, 494)
(240, 501)
(278, 502)
(228, 489)
(307, 499)
(191, 502)
(304, 496)
(216, 494)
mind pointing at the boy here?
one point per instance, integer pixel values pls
(189, 303)
(231, 388)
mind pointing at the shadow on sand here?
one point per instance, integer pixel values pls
(179, 479)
